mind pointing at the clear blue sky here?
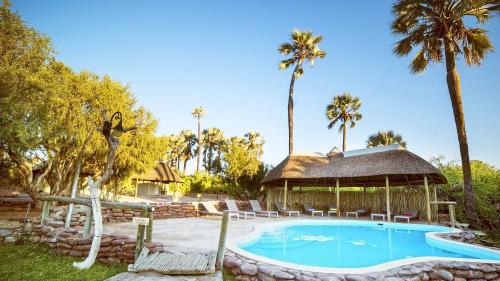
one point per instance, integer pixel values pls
(222, 55)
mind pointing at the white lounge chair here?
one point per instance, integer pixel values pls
(258, 210)
(211, 210)
(286, 211)
(233, 208)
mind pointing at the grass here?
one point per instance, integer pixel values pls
(228, 276)
(36, 262)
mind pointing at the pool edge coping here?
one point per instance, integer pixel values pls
(433, 235)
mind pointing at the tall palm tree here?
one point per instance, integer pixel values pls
(197, 113)
(303, 47)
(385, 138)
(188, 140)
(436, 27)
(344, 110)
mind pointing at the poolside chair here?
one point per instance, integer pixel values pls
(258, 210)
(407, 215)
(286, 211)
(308, 208)
(333, 209)
(233, 208)
(363, 211)
(211, 210)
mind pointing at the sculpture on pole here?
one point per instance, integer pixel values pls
(112, 135)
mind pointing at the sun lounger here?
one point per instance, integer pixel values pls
(309, 209)
(407, 215)
(333, 210)
(233, 208)
(286, 211)
(211, 210)
(258, 210)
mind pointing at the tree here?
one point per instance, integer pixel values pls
(255, 142)
(382, 138)
(344, 109)
(303, 47)
(213, 142)
(188, 140)
(437, 28)
(240, 161)
(197, 113)
(24, 54)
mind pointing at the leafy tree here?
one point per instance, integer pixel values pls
(197, 113)
(438, 29)
(486, 179)
(240, 161)
(303, 47)
(24, 54)
(382, 138)
(344, 110)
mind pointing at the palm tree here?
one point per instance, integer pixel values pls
(197, 113)
(344, 109)
(255, 142)
(213, 139)
(188, 141)
(437, 27)
(303, 47)
(385, 138)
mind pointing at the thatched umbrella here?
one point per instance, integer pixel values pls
(385, 166)
(162, 173)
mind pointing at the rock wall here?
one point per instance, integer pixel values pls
(109, 215)
(69, 241)
(246, 269)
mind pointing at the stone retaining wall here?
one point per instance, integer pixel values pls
(109, 215)
(69, 241)
(246, 269)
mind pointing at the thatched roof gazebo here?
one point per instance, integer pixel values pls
(385, 166)
(162, 173)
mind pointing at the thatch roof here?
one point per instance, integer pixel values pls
(366, 167)
(161, 173)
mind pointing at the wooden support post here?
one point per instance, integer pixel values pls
(149, 228)
(222, 241)
(268, 199)
(89, 217)
(364, 196)
(337, 195)
(387, 198)
(140, 236)
(436, 207)
(45, 211)
(451, 209)
(427, 200)
(284, 194)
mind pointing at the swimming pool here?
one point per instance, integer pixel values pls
(345, 244)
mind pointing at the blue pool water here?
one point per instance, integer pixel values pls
(350, 246)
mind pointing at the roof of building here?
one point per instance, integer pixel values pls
(161, 173)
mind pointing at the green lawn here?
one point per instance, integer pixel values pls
(35, 262)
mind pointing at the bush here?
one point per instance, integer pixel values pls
(486, 181)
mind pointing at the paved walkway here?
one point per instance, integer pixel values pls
(153, 276)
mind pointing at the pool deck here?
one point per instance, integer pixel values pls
(201, 234)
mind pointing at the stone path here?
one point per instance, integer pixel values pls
(153, 276)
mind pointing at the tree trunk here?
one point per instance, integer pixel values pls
(344, 138)
(290, 108)
(198, 149)
(453, 81)
(184, 169)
